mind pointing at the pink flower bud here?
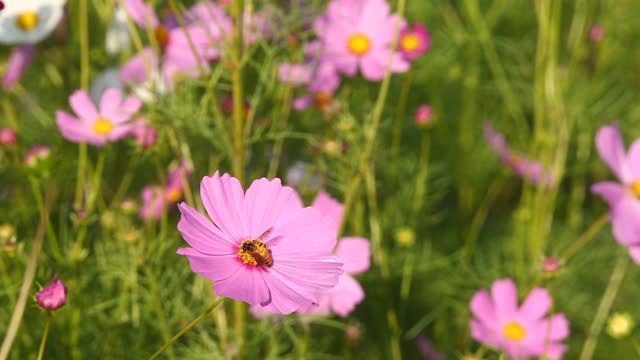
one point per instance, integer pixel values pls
(146, 136)
(596, 34)
(550, 265)
(53, 296)
(8, 137)
(36, 154)
(424, 115)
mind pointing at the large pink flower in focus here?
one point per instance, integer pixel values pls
(358, 34)
(520, 332)
(623, 197)
(97, 126)
(261, 247)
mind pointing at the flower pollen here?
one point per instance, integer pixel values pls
(359, 44)
(514, 331)
(161, 34)
(173, 195)
(27, 20)
(410, 42)
(102, 126)
(635, 188)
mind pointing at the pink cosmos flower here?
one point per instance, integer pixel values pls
(414, 41)
(53, 296)
(20, 59)
(145, 135)
(35, 155)
(424, 115)
(622, 197)
(358, 34)
(8, 137)
(531, 170)
(520, 332)
(261, 247)
(155, 199)
(95, 126)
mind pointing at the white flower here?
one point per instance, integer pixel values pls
(118, 39)
(29, 21)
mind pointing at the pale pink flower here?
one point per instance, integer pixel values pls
(520, 332)
(8, 137)
(156, 199)
(21, 58)
(424, 115)
(97, 126)
(261, 247)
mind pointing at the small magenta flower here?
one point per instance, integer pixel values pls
(8, 137)
(53, 296)
(36, 155)
(95, 126)
(596, 33)
(260, 246)
(520, 332)
(528, 169)
(424, 115)
(21, 58)
(357, 35)
(550, 265)
(623, 197)
(146, 136)
(414, 41)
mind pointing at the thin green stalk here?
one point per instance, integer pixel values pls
(80, 178)
(187, 328)
(401, 112)
(43, 342)
(27, 281)
(422, 179)
(283, 118)
(83, 19)
(237, 157)
(605, 306)
(587, 236)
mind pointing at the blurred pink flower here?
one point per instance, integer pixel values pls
(426, 349)
(622, 197)
(596, 33)
(294, 74)
(414, 41)
(424, 115)
(8, 137)
(550, 264)
(528, 169)
(357, 35)
(97, 127)
(53, 296)
(262, 247)
(155, 198)
(35, 155)
(145, 135)
(20, 59)
(520, 332)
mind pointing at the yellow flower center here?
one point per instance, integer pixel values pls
(359, 44)
(514, 331)
(173, 195)
(102, 126)
(410, 42)
(162, 36)
(27, 20)
(254, 252)
(635, 188)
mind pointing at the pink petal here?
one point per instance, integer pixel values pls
(83, 107)
(611, 192)
(71, 128)
(121, 131)
(634, 252)
(284, 299)
(247, 284)
(213, 267)
(536, 305)
(355, 254)
(200, 233)
(265, 202)
(328, 206)
(20, 59)
(555, 351)
(110, 103)
(633, 159)
(138, 69)
(346, 295)
(611, 148)
(559, 327)
(505, 297)
(223, 198)
(302, 103)
(482, 307)
(301, 231)
(141, 13)
(481, 334)
(625, 218)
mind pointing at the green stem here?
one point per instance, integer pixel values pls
(80, 178)
(587, 236)
(27, 281)
(43, 342)
(187, 328)
(237, 156)
(401, 112)
(605, 306)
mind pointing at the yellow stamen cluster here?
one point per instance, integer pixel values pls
(359, 44)
(635, 188)
(27, 20)
(253, 252)
(173, 195)
(514, 331)
(410, 42)
(102, 127)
